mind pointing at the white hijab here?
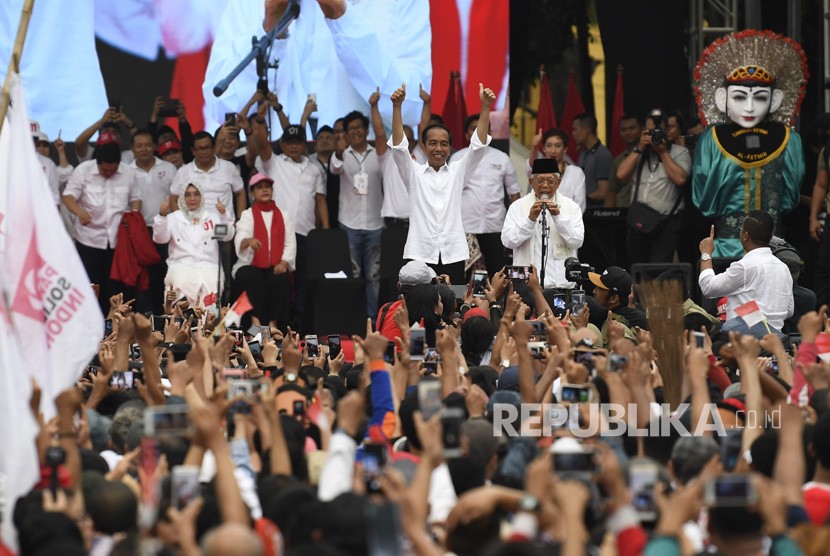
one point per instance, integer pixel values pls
(192, 216)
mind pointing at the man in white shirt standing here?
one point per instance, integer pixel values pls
(436, 232)
(482, 201)
(220, 181)
(99, 192)
(361, 199)
(522, 229)
(153, 177)
(759, 276)
(299, 191)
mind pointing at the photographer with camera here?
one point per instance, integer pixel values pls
(657, 169)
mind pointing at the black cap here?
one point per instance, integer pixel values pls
(293, 133)
(545, 166)
(614, 279)
(325, 129)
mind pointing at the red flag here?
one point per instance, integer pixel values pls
(210, 299)
(751, 313)
(617, 143)
(455, 112)
(545, 118)
(239, 308)
(573, 108)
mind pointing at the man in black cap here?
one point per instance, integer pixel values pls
(612, 289)
(523, 226)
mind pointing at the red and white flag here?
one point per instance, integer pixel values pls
(51, 322)
(823, 345)
(239, 308)
(750, 313)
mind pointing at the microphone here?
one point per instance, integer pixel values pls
(544, 197)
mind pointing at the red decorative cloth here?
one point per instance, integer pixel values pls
(268, 256)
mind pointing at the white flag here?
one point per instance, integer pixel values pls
(51, 311)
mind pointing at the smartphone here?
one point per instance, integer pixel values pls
(135, 352)
(577, 301)
(429, 397)
(642, 478)
(334, 346)
(184, 485)
(107, 328)
(159, 323)
(417, 343)
(253, 331)
(299, 408)
(540, 331)
(371, 460)
(517, 272)
(229, 373)
(256, 350)
(431, 360)
(575, 394)
(586, 358)
(241, 387)
(574, 462)
(537, 349)
(617, 362)
(230, 119)
(559, 308)
(383, 528)
(731, 491)
(167, 421)
(700, 339)
(795, 341)
(451, 420)
(730, 448)
(479, 283)
(772, 366)
(237, 338)
(389, 354)
(189, 314)
(312, 97)
(122, 380)
(170, 108)
(312, 345)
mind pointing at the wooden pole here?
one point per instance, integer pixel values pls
(17, 52)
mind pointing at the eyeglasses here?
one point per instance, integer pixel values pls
(553, 180)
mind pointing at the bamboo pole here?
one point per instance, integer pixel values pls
(17, 52)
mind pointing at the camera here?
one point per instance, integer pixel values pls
(576, 271)
(657, 136)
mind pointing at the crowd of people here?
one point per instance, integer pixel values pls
(192, 432)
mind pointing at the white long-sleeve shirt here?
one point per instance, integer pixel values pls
(296, 186)
(524, 236)
(482, 200)
(191, 244)
(759, 276)
(435, 225)
(104, 199)
(376, 43)
(245, 229)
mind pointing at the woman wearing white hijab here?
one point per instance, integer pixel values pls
(193, 253)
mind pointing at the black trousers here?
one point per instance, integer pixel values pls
(98, 264)
(300, 282)
(454, 270)
(157, 273)
(269, 293)
(656, 247)
(493, 252)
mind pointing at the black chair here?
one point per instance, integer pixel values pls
(336, 305)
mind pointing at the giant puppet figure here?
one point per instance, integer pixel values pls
(749, 88)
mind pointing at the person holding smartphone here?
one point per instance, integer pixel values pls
(523, 226)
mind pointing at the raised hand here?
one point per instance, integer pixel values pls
(707, 245)
(537, 138)
(423, 94)
(374, 97)
(399, 95)
(220, 207)
(486, 95)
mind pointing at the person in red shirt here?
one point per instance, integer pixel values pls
(411, 274)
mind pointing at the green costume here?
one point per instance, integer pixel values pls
(738, 170)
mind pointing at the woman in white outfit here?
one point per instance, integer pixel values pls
(192, 264)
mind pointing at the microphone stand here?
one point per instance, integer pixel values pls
(545, 238)
(259, 51)
(219, 233)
